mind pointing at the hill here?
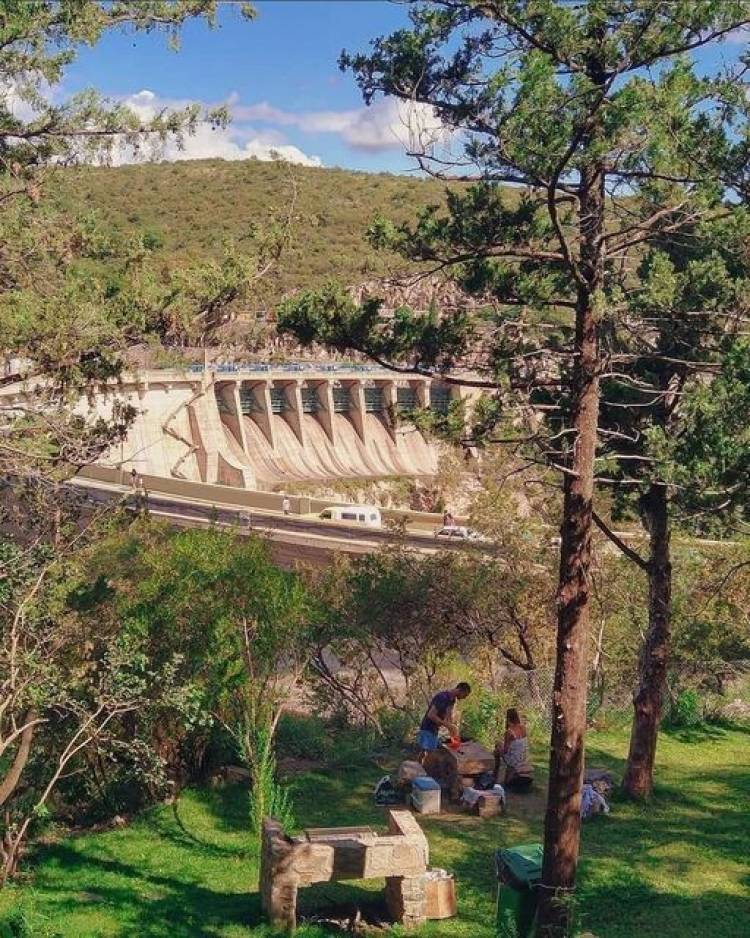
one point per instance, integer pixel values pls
(189, 209)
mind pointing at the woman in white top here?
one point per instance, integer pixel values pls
(514, 751)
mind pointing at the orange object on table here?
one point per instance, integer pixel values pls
(454, 742)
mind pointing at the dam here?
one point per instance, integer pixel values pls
(258, 425)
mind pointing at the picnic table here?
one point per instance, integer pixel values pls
(456, 769)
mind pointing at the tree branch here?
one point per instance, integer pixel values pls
(618, 542)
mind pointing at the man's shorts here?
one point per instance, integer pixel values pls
(427, 740)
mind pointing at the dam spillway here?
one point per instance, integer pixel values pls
(256, 426)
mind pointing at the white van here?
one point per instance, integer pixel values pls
(360, 514)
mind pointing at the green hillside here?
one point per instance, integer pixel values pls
(191, 208)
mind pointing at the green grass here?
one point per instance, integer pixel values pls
(675, 867)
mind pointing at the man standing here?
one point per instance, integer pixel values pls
(440, 713)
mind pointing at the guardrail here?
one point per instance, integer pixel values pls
(249, 498)
(291, 367)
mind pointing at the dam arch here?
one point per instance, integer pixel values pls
(262, 425)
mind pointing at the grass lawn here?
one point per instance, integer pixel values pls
(676, 867)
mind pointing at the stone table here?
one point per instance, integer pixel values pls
(457, 769)
(400, 857)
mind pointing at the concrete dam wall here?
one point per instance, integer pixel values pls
(263, 425)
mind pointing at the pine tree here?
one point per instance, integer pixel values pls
(596, 116)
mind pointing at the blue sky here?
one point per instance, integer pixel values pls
(279, 74)
(279, 71)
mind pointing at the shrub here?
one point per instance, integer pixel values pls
(483, 716)
(399, 726)
(300, 736)
(268, 797)
(15, 925)
(686, 710)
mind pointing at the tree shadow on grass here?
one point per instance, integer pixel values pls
(325, 902)
(626, 906)
(145, 902)
(344, 799)
(683, 831)
(173, 828)
(227, 805)
(701, 733)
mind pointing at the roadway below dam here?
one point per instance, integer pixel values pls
(294, 539)
(301, 536)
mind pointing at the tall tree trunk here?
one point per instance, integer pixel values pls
(648, 699)
(562, 825)
(13, 775)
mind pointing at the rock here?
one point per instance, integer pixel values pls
(235, 774)
(409, 770)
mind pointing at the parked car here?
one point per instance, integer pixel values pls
(458, 532)
(368, 515)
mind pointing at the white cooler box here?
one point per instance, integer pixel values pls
(425, 795)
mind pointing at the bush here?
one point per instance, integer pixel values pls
(15, 925)
(399, 726)
(686, 710)
(268, 796)
(302, 737)
(483, 716)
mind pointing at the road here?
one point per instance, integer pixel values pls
(294, 538)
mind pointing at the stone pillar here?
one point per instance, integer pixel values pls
(279, 881)
(262, 392)
(468, 396)
(422, 389)
(230, 395)
(325, 415)
(357, 408)
(406, 900)
(293, 416)
(390, 403)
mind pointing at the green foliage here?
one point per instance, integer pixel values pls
(40, 41)
(236, 629)
(182, 203)
(303, 736)
(483, 716)
(685, 711)
(268, 796)
(708, 462)
(711, 603)
(201, 593)
(16, 925)
(191, 868)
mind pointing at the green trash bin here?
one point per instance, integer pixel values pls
(519, 871)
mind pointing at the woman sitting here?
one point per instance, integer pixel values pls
(513, 754)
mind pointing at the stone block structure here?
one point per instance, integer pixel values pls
(400, 857)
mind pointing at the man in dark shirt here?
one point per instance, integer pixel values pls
(440, 713)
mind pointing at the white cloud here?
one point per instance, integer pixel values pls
(741, 36)
(231, 143)
(386, 125)
(26, 103)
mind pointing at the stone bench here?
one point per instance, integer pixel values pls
(400, 857)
